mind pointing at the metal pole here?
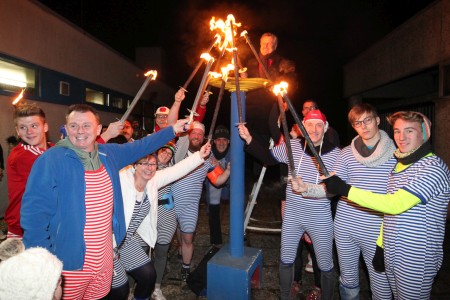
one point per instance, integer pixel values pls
(237, 179)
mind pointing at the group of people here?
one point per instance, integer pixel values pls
(99, 204)
(96, 207)
(392, 207)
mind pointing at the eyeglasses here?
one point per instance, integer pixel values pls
(146, 164)
(366, 121)
(161, 116)
(309, 108)
(166, 152)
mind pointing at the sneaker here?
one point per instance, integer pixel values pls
(315, 294)
(184, 274)
(158, 295)
(309, 267)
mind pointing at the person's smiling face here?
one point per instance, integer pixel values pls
(83, 129)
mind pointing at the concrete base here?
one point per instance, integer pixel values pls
(233, 277)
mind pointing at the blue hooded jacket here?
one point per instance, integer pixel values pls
(53, 213)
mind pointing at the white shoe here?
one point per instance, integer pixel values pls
(158, 295)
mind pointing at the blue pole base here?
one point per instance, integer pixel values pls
(232, 277)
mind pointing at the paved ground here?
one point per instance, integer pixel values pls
(267, 210)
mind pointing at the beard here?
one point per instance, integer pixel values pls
(194, 147)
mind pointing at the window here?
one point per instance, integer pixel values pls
(96, 97)
(15, 77)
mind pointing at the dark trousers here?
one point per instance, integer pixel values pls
(215, 229)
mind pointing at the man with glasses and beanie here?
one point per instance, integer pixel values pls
(366, 163)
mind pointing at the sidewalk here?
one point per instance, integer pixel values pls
(267, 212)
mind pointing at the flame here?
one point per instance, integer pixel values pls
(226, 70)
(153, 73)
(244, 33)
(280, 89)
(18, 98)
(215, 74)
(225, 29)
(206, 57)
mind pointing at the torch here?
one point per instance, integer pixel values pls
(249, 42)
(202, 86)
(18, 98)
(199, 64)
(151, 75)
(286, 99)
(219, 100)
(230, 18)
(287, 138)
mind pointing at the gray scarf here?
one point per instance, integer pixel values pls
(382, 152)
(90, 160)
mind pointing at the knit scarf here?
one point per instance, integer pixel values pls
(217, 154)
(378, 155)
(90, 160)
(414, 155)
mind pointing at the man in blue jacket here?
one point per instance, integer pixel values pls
(73, 205)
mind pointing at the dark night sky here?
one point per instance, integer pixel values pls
(320, 36)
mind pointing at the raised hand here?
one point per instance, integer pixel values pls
(181, 126)
(205, 150)
(244, 133)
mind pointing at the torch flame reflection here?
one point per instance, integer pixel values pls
(18, 98)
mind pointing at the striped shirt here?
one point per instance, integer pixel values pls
(94, 280)
(349, 215)
(413, 240)
(186, 194)
(305, 214)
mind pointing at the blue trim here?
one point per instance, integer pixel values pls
(422, 199)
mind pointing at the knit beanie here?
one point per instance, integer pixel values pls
(426, 127)
(197, 125)
(32, 274)
(171, 146)
(316, 115)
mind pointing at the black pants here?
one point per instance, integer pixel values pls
(215, 229)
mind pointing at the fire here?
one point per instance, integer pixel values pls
(18, 98)
(215, 75)
(206, 56)
(226, 70)
(225, 29)
(280, 89)
(153, 73)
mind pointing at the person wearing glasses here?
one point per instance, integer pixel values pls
(366, 163)
(165, 116)
(140, 184)
(73, 205)
(414, 206)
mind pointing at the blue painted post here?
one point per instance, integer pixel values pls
(237, 180)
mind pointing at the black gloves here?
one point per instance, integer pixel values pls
(378, 260)
(335, 185)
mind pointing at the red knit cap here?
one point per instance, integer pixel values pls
(316, 115)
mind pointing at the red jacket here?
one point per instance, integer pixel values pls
(18, 167)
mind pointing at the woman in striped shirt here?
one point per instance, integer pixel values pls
(140, 184)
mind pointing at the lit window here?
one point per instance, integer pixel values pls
(96, 97)
(117, 102)
(15, 77)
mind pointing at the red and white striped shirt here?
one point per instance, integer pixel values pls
(94, 280)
